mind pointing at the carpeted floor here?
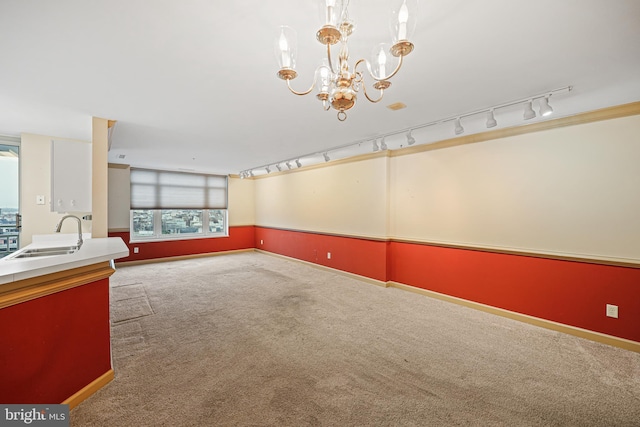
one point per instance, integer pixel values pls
(253, 340)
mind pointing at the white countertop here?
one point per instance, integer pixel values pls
(92, 251)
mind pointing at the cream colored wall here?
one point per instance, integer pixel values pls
(119, 198)
(241, 199)
(99, 190)
(571, 190)
(35, 179)
(342, 198)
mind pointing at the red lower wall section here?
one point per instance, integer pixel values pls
(52, 347)
(572, 293)
(239, 238)
(359, 256)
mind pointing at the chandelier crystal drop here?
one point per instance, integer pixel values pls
(336, 84)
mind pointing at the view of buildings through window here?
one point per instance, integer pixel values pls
(8, 199)
(159, 223)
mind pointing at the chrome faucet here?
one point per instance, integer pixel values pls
(59, 226)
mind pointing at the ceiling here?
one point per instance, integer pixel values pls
(192, 84)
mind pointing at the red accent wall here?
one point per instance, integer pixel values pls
(355, 255)
(572, 293)
(52, 347)
(567, 292)
(239, 238)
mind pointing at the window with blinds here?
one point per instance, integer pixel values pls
(169, 205)
(156, 189)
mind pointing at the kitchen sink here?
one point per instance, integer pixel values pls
(42, 252)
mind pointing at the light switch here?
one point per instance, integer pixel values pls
(39, 200)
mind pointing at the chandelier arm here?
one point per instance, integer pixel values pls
(384, 78)
(364, 89)
(301, 93)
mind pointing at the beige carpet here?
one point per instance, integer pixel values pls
(253, 340)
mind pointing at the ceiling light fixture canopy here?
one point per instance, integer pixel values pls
(336, 84)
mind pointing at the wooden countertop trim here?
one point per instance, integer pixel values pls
(36, 287)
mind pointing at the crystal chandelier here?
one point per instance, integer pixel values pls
(336, 84)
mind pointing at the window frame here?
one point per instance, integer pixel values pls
(157, 235)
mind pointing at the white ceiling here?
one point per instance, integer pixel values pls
(193, 85)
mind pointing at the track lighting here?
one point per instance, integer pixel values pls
(489, 112)
(545, 108)
(491, 119)
(528, 111)
(268, 169)
(458, 129)
(410, 139)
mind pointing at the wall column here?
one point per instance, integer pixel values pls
(100, 186)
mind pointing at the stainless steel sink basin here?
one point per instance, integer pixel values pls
(41, 252)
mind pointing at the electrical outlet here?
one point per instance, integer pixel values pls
(136, 250)
(328, 255)
(612, 311)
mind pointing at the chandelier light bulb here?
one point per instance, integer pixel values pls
(403, 17)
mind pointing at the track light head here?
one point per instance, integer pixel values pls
(545, 108)
(457, 127)
(326, 157)
(410, 139)
(528, 111)
(288, 165)
(268, 169)
(491, 119)
(251, 174)
(383, 145)
(279, 167)
(298, 163)
(242, 175)
(375, 146)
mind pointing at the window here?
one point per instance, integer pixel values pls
(177, 205)
(166, 224)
